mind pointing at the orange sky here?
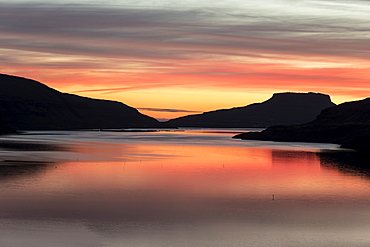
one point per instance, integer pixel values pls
(169, 59)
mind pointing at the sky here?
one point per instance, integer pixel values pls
(174, 58)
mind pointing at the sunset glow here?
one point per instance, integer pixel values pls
(170, 58)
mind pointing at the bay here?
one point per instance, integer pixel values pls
(187, 187)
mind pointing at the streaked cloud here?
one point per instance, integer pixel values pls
(109, 47)
(171, 33)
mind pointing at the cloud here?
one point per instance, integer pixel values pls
(167, 110)
(108, 90)
(197, 44)
(183, 34)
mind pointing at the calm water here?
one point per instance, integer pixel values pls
(188, 188)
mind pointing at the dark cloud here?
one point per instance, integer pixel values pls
(175, 34)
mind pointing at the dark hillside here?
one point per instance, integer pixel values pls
(28, 104)
(282, 108)
(347, 124)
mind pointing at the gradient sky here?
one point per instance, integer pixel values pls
(174, 58)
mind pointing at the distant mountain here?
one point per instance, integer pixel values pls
(347, 124)
(282, 108)
(30, 105)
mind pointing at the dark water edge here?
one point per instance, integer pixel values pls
(30, 146)
(10, 169)
(352, 162)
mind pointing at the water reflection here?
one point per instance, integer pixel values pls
(19, 169)
(16, 145)
(209, 190)
(15, 162)
(348, 162)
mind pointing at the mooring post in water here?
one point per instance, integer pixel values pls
(273, 197)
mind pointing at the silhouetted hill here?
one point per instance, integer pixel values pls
(282, 108)
(30, 105)
(4, 129)
(347, 124)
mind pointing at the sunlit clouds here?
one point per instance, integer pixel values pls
(142, 53)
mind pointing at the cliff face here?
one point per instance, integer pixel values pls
(347, 124)
(28, 104)
(282, 108)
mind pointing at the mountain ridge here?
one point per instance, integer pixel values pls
(281, 108)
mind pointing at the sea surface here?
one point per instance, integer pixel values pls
(187, 187)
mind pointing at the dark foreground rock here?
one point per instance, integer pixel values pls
(347, 124)
(30, 105)
(282, 108)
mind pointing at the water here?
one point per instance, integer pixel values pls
(179, 188)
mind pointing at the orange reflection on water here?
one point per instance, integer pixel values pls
(209, 171)
(136, 190)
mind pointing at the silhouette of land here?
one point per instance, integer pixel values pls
(282, 108)
(347, 124)
(30, 105)
(5, 129)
